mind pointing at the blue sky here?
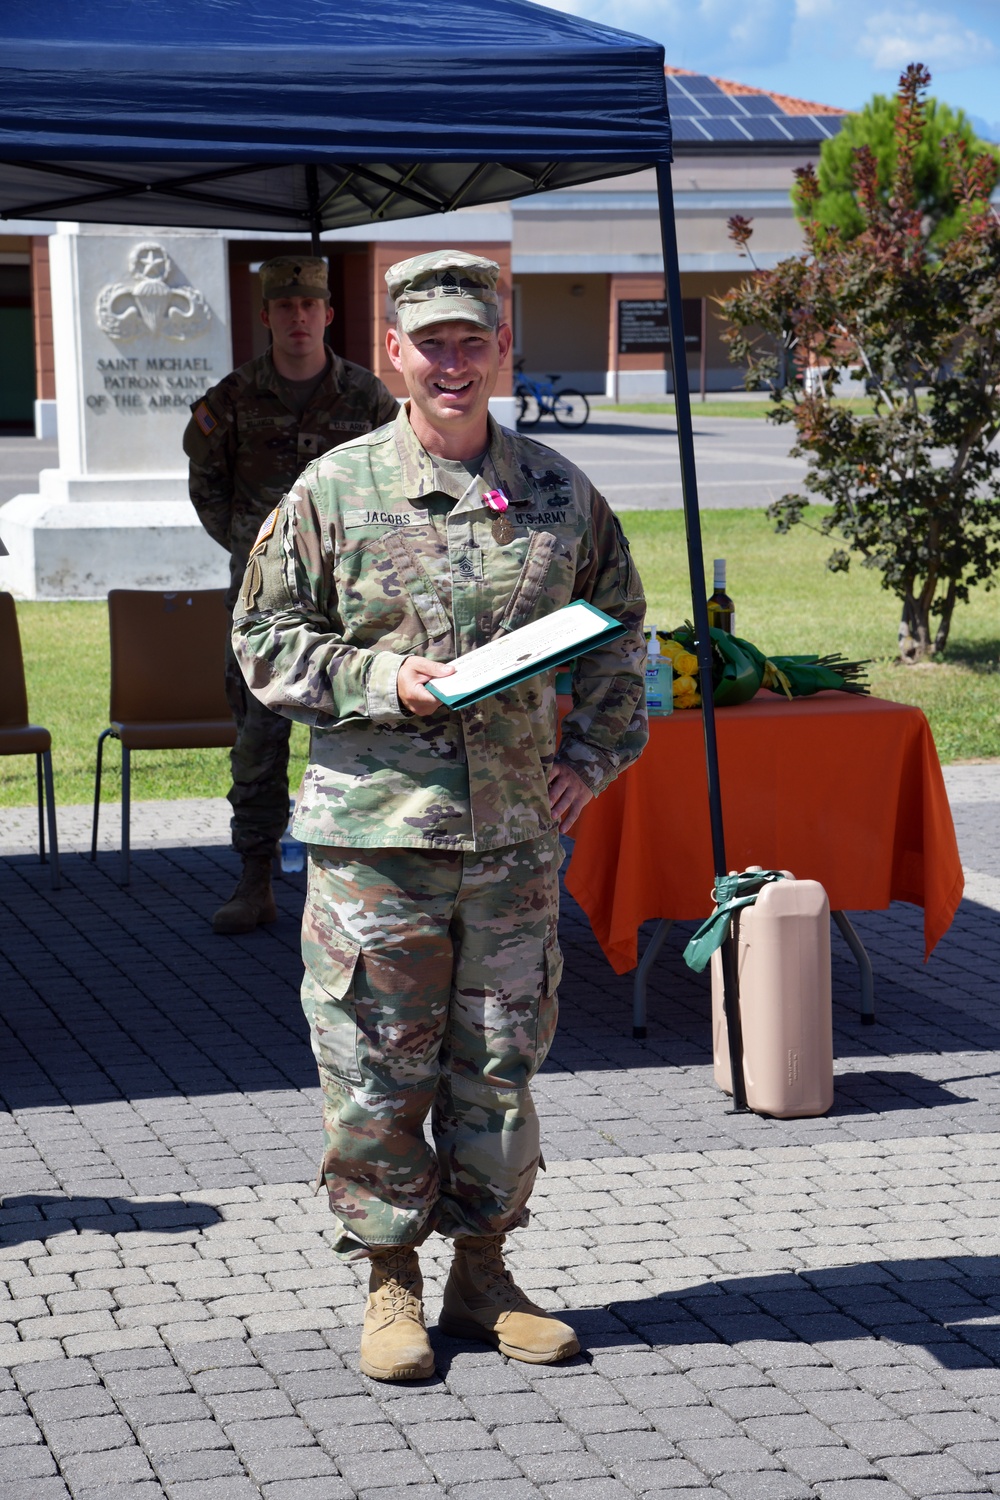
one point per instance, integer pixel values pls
(832, 51)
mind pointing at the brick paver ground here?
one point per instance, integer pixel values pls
(768, 1309)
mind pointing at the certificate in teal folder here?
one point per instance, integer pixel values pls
(519, 654)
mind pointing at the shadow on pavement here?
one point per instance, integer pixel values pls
(947, 1307)
(37, 1216)
(111, 993)
(108, 993)
(884, 1089)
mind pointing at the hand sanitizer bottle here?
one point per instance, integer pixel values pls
(659, 679)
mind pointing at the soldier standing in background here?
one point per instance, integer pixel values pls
(248, 440)
(429, 935)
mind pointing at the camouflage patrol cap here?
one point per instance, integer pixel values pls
(444, 286)
(294, 276)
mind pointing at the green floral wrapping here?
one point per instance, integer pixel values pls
(739, 669)
(811, 674)
(798, 676)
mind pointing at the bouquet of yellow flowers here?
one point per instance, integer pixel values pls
(739, 670)
(685, 668)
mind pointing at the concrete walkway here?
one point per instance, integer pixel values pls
(21, 459)
(630, 456)
(769, 1310)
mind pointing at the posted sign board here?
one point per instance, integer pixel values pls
(642, 326)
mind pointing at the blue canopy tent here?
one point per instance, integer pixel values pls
(319, 114)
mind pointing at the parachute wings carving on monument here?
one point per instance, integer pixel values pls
(147, 303)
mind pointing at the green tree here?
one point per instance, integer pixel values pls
(837, 205)
(914, 487)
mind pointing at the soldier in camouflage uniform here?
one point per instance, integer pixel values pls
(247, 441)
(430, 930)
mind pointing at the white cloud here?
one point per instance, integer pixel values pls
(816, 10)
(712, 35)
(891, 40)
(838, 51)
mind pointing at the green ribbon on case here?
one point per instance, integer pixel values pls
(731, 893)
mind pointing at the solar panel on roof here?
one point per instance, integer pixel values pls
(677, 92)
(803, 127)
(756, 104)
(686, 129)
(701, 112)
(682, 104)
(760, 129)
(720, 108)
(727, 129)
(701, 86)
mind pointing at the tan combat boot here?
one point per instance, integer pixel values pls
(251, 903)
(481, 1301)
(394, 1342)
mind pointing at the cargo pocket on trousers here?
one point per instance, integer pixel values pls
(548, 1003)
(330, 960)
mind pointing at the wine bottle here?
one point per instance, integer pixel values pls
(721, 609)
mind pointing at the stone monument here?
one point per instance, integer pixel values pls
(141, 328)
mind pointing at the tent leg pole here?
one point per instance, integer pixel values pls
(647, 961)
(696, 569)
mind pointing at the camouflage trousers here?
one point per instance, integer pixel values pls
(259, 762)
(430, 988)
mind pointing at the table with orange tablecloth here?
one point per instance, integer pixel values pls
(838, 788)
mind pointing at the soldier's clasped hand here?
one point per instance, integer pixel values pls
(568, 795)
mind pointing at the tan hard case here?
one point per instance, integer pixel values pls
(785, 1003)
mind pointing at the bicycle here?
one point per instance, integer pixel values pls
(539, 398)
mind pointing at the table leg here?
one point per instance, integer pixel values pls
(864, 964)
(653, 947)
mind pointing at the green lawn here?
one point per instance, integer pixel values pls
(785, 601)
(65, 649)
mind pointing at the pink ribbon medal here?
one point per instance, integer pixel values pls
(497, 502)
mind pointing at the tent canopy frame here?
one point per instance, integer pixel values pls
(324, 116)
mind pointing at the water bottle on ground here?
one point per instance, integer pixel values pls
(293, 851)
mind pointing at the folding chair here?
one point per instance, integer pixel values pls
(168, 655)
(17, 736)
